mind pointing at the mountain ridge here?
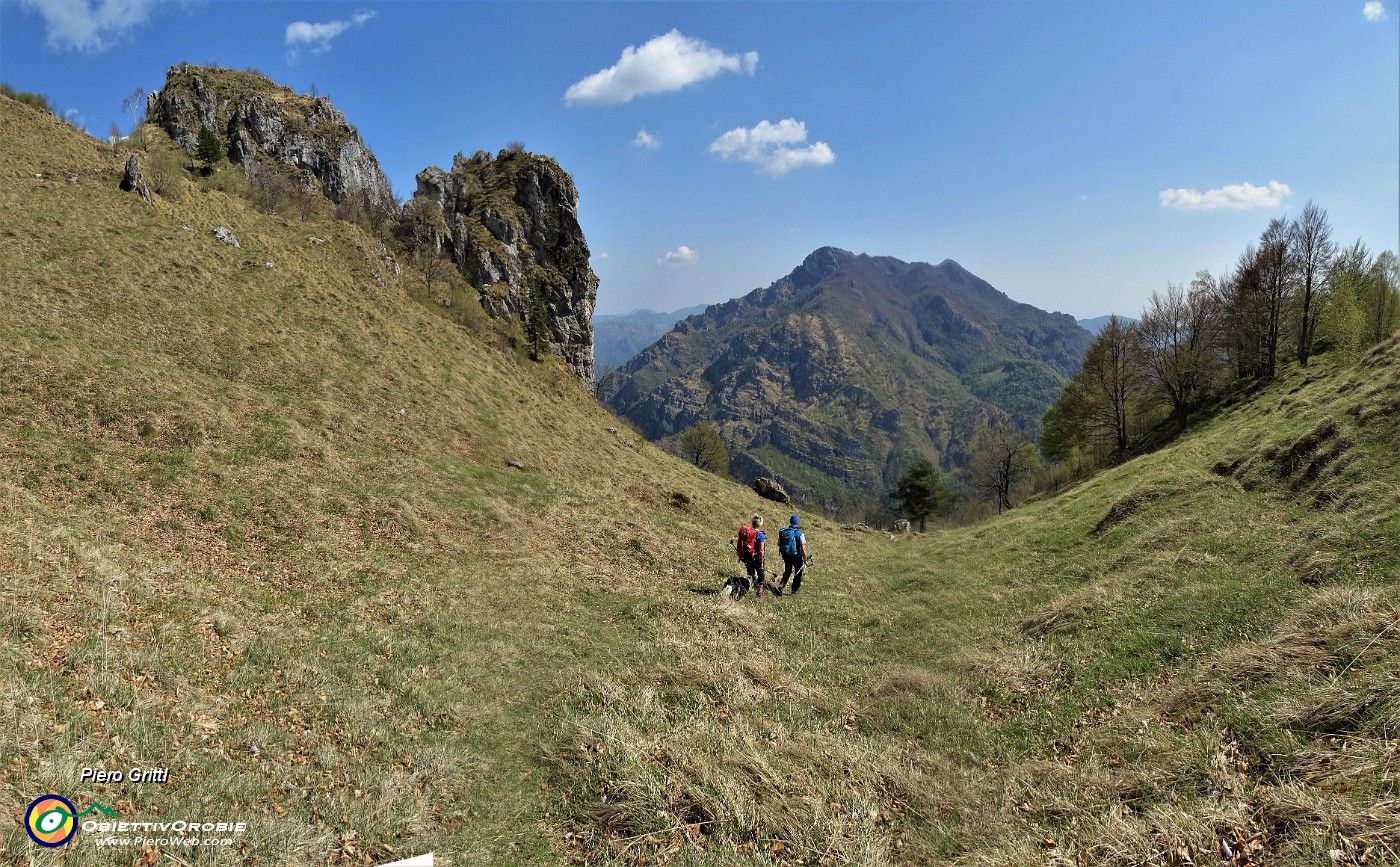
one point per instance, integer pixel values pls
(848, 369)
(617, 337)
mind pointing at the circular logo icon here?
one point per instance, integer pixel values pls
(50, 820)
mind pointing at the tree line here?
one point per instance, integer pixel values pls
(1291, 294)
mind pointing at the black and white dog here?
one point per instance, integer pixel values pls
(736, 587)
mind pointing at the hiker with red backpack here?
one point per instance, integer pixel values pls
(792, 545)
(750, 550)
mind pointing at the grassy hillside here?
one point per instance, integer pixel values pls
(257, 526)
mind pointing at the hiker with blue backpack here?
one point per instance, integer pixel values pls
(749, 548)
(792, 544)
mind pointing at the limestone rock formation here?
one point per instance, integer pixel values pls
(134, 180)
(510, 223)
(770, 490)
(265, 122)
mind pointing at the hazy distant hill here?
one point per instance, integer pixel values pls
(1093, 326)
(837, 377)
(619, 336)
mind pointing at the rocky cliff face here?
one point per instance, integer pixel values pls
(836, 378)
(263, 121)
(511, 226)
(509, 223)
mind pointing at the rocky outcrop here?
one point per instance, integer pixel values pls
(770, 490)
(134, 181)
(510, 223)
(262, 122)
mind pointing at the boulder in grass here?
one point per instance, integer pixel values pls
(770, 490)
(133, 179)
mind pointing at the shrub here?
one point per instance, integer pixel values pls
(163, 170)
(37, 100)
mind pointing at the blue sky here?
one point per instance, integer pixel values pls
(1077, 155)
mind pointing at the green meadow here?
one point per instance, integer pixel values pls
(258, 527)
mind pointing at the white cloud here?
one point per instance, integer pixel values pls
(646, 140)
(773, 147)
(681, 257)
(1234, 196)
(89, 25)
(668, 62)
(316, 38)
(1374, 11)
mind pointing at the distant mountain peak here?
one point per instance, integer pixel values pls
(955, 272)
(820, 264)
(835, 377)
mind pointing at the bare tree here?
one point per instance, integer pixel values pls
(269, 187)
(1243, 307)
(433, 266)
(1112, 381)
(1276, 265)
(305, 196)
(1383, 303)
(1313, 249)
(1176, 339)
(426, 227)
(135, 102)
(1002, 457)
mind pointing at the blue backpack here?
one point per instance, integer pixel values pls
(788, 538)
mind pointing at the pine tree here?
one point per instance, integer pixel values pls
(921, 492)
(209, 148)
(536, 322)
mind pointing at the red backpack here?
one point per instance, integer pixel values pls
(748, 536)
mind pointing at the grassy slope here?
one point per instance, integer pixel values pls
(257, 524)
(226, 551)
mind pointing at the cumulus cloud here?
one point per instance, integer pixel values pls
(681, 257)
(1234, 196)
(776, 148)
(668, 62)
(646, 140)
(317, 38)
(1374, 11)
(89, 25)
